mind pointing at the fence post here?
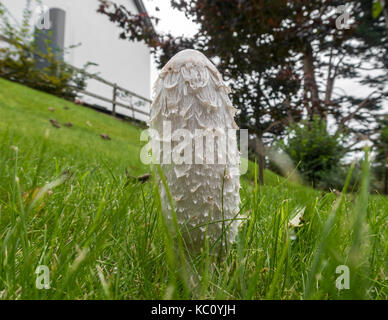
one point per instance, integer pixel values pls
(133, 110)
(114, 99)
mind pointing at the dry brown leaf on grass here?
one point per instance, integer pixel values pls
(36, 197)
(143, 178)
(105, 136)
(297, 221)
(55, 123)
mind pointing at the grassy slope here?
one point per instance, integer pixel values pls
(101, 236)
(27, 112)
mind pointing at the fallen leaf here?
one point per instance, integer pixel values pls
(55, 123)
(144, 177)
(105, 136)
(297, 221)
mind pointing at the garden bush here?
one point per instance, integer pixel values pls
(315, 152)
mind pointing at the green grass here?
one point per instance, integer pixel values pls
(66, 202)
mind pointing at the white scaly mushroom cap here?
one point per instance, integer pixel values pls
(190, 94)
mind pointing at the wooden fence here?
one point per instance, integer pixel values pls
(117, 91)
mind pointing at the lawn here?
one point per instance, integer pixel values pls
(69, 200)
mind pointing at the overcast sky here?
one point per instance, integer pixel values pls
(173, 21)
